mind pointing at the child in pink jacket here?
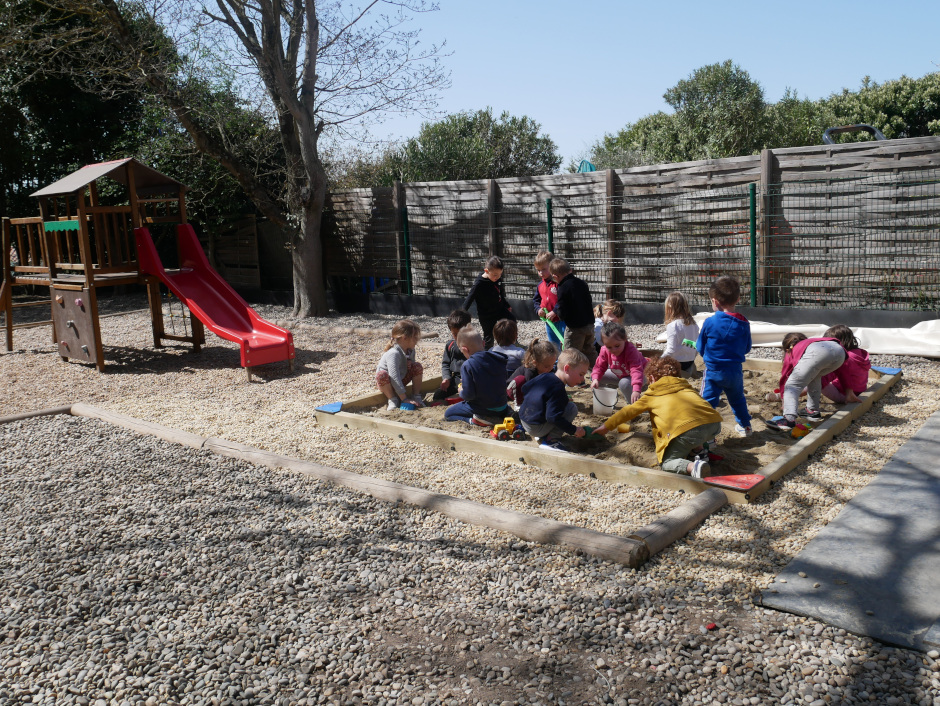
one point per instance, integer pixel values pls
(619, 364)
(851, 380)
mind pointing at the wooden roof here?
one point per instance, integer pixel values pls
(147, 180)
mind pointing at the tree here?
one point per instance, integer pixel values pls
(321, 69)
(905, 107)
(720, 112)
(476, 146)
(797, 122)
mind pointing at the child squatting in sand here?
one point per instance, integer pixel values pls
(682, 421)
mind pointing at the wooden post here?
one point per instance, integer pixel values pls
(6, 293)
(614, 279)
(156, 310)
(492, 207)
(769, 175)
(398, 204)
(49, 249)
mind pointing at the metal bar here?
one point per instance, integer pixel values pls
(548, 218)
(752, 198)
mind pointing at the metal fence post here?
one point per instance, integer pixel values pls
(548, 217)
(409, 286)
(752, 197)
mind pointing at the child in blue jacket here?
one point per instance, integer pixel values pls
(723, 342)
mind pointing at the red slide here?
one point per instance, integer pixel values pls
(213, 301)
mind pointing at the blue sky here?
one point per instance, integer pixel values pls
(582, 68)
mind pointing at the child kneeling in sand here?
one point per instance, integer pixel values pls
(682, 421)
(546, 412)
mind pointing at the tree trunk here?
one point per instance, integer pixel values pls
(307, 256)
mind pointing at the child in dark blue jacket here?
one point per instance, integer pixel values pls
(546, 411)
(723, 342)
(483, 380)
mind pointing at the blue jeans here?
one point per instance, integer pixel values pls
(464, 411)
(730, 380)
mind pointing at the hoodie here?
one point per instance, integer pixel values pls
(674, 408)
(854, 372)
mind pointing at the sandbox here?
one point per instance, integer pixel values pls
(627, 458)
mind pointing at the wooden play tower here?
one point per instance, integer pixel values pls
(77, 245)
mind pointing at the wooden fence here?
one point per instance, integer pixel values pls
(635, 234)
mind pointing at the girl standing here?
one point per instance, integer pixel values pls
(680, 326)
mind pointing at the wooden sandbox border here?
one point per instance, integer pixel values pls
(569, 464)
(633, 551)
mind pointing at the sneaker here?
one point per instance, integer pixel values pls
(479, 421)
(742, 431)
(553, 445)
(417, 400)
(812, 415)
(781, 424)
(707, 456)
(392, 405)
(700, 469)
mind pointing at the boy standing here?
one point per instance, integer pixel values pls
(723, 342)
(484, 383)
(490, 295)
(546, 411)
(546, 296)
(453, 357)
(575, 308)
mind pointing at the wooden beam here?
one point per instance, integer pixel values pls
(49, 411)
(563, 464)
(492, 210)
(828, 430)
(674, 525)
(175, 436)
(623, 550)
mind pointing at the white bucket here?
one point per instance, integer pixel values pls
(604, 400)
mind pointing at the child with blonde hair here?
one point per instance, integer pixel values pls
(546, 296)
(398, 367)
(547, 413)
(619, 364)
(539, 358)
(680, 326)
(610, 310)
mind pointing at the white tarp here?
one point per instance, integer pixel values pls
(921, 340)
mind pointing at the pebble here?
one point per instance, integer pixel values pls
(141, 572)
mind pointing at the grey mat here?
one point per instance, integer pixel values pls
(877, 565)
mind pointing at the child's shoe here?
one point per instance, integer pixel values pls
(479, 421)
(782, 424)
(392, 405)
(812, 415)
(553, 445)
(417, 401)
(700, 469)
(742, 431)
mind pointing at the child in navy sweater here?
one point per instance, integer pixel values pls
(546, 411)
(483, 383)
(723, 342)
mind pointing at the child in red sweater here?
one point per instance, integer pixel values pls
(619, 364)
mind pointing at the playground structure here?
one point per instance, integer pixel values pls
(78, 245)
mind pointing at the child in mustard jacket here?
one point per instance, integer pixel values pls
(682, 421)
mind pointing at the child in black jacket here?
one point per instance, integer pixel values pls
(490, 296)
(575, 308)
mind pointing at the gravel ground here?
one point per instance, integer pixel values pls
(226, 583)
